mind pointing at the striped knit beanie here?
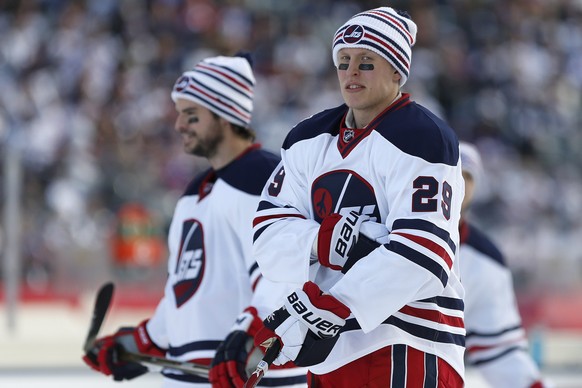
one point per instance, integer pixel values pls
(225, 85)
(471, 161)
(382, 30)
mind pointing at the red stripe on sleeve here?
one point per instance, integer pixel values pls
(258, 220)
(433, 315)
(431, 245)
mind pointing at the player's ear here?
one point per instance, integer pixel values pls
(224, 123)
(396, 77)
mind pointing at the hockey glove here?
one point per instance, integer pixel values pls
(336, 238)
(105, 356)
(372, 235)
(236, 352)
(307, 319)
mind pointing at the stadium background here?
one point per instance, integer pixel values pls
(86, 133)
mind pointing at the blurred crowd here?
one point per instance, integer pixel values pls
(86, 101)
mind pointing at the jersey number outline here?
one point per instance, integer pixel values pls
(277, 183)
(423, 199)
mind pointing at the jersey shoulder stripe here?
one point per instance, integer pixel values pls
(327, 121)
(479, 241)
(416, 131)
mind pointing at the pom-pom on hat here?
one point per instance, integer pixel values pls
(225, 85)
(383, 30)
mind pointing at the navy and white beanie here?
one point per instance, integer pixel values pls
(471, 161)
(382, 30)
(225, 85)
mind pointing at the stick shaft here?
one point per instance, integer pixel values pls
(183, 366)
(264, 364)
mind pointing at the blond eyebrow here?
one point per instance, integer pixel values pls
(357, 54)
(189, 109)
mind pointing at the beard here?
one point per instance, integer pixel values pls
(207, 147)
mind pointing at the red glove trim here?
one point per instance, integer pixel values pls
(263, 337)
(103, 356)
(91, 363)
(144, 342)
(325, 301)
(257, 323)
(324, 239)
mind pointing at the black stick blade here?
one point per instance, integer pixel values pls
(102, 302)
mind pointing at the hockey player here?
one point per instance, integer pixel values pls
(370, 313)
(215, 298)
(496, 342)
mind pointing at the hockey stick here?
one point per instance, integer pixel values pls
(102, 302)
(270, 355)
(186, 367)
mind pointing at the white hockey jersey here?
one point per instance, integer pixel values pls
(496, 341)
(211, 272)
(403, 170)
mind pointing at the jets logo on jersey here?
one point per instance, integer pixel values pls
(340, 192)
(191, 262)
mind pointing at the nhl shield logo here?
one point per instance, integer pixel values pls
(348, 135)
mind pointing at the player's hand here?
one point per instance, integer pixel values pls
(237, 352)
(337, 237)
(105, 356)
(307, 317)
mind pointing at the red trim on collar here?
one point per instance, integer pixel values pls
(349, 138)
(252, 147)
(208, 181)
(206, 185)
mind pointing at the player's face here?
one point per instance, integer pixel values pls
(200, 129)
(368, 82)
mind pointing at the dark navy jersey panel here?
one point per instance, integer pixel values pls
(248, 174)
(418, 132)
(194, 185)
(251, 171)
(327, 121)
(480, 242)
(413, 129)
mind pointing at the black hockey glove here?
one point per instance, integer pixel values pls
(236, 356)
(105, 356)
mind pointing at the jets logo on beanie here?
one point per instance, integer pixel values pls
(224, 85)
(382, 30)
